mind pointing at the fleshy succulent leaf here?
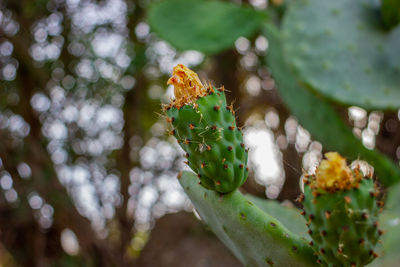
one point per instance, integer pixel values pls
(318, 116)
(256, 238)
(341, 49)
(290, 217)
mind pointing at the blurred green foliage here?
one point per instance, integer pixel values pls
(206, 26)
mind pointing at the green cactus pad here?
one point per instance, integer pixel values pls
(319, 117)
(390, 220)
(256, 238)
(289, 216)
(343, 224)
(207, 131)
(341, 49)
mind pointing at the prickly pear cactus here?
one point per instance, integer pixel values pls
(250, 228)
(341, 207)
(340, 49)
(205, 127)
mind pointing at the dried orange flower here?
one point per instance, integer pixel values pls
(187, 86)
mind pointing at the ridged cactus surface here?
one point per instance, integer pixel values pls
(341, 207)
(205, 127)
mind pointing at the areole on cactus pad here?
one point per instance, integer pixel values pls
(205, 127)
(342, 206)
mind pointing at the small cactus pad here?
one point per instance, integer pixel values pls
(205, 127)
(341, 49)
(341, 207)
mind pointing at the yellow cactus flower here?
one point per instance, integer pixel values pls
(333, 174)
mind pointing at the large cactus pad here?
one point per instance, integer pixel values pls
(254, 235)
(341, 49)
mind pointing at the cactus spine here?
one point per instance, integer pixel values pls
(342, 210)
(205, 127)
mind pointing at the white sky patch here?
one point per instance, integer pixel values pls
(69, 242)
(263, 157)
(57, 130)
(261, 44)
(166, 57)
(259, 4)
(107, 115)
(111, 184)
(303, 138)
(242, 45)
(80, 175)
(40, 102)
(87, 15)
(357, 113)
(253, 85)
(107, 44)
(24, 170)
(6, 181)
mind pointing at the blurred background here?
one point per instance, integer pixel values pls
(87, 171)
